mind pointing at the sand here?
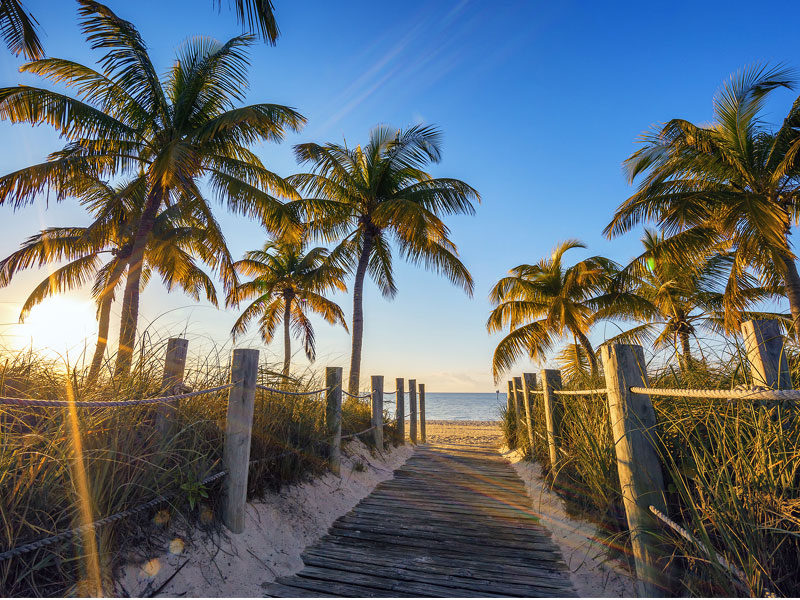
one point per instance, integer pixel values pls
(462, 432)
(276, 532)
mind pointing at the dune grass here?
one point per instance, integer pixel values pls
(127, 462)
(732, 471)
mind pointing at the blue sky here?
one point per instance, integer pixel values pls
(539, 104)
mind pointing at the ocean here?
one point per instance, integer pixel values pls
(454, 406)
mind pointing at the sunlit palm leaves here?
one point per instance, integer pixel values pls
(734, 181)
(18, 29)
(378, 197)
(541, 303)
(126, 120)
(674, 294)
(180, 233)
(287, 285)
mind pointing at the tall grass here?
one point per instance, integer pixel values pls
(732, 471)
(127, 462)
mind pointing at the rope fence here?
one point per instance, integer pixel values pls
(109, 403)
(752, 394)
(580, 392)
(288, 393)
(359, 396)
(66, 535)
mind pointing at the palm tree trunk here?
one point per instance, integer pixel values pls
(687, 350)
(104, 320)
(287, 339)
(791, 281)
(584, 341)
(358, 315)
(102, 339)
(130, 306)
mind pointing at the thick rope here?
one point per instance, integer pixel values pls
(107, 403)
(65, 535)
(360, 396)
(721, 394)
(690, 538)
(580, 392)
(285, 393)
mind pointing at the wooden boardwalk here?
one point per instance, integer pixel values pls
(455, 521)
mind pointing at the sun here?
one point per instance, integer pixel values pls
(59, 325)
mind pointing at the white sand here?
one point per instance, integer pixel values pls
(276, 532)
(593, 573)
(462, 432)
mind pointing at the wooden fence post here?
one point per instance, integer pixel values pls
(174, 369)
(238, 432)
(633, 424)
(529, 381)
(511, 410)
(333, 416)
(422, 412)
(412, 408)
(401, 410)
(764, 344)
(553, 413)
(377, 410)
(520, 410)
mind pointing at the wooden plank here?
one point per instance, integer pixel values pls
(453, 535)
(449, 555)
(528, 575)
(389, 584)
(476, 547)
(452, 583)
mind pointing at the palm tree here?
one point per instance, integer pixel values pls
(126, 120)
(372, 196)
(179, 234)
(18, 28)
(18, 25)
(673, 299)
(287, 284)
(734, 181)
(256, 15)
(543, 302)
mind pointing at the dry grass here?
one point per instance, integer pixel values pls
(128, 463)
(732, 471)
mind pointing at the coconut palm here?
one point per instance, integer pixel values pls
(174, 132)
(674, 299)
(18, 28)
(544, 302)
(256, 15)
(734, 181)
(288, 284)
(179, 233)
(18, 25)
(377, 195)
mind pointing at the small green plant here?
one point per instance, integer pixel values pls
(194, 490)
(359, 466)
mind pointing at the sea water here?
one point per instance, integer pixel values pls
(455, 406)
